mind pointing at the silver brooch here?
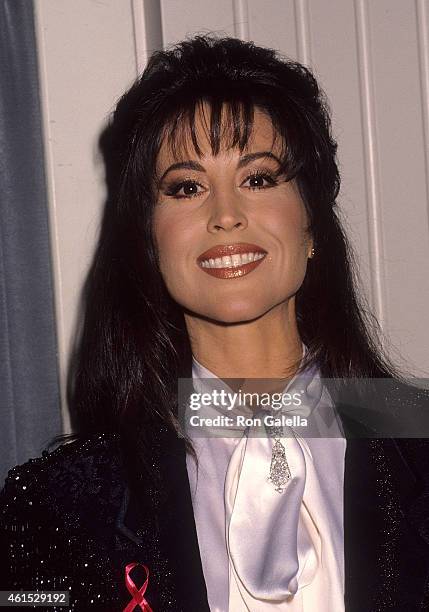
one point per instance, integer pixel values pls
(280, 473)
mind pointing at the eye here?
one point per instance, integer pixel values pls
(188, 187)
(261, 179)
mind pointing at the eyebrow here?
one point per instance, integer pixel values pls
(243, 161)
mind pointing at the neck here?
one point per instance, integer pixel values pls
(267, 347)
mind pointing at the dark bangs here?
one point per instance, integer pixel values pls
(230, 124)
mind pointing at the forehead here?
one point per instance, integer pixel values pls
(177, 143)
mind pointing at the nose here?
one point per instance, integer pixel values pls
(226, 213)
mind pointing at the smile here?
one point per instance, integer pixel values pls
(231, 261)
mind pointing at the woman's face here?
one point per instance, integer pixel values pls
(215, 214)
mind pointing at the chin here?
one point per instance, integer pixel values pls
(231, 312)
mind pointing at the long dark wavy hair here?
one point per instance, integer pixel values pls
(133, 344)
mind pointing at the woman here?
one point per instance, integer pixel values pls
(222, 260)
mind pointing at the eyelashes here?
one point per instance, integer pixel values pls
(265, 178)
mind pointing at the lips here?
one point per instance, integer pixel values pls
(222, 250)
(231, 260)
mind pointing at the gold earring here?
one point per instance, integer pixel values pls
(312, 252)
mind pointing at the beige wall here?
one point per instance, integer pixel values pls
(372, 60)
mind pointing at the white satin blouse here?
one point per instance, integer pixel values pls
(262, 550)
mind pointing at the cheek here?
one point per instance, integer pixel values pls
(287, 224)
(173, 237)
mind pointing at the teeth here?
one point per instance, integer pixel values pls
(232, 261)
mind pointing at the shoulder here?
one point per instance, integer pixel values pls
(74, 475)
(407, 428)
(384, 407)
(407, 393)
(394, 393)
(58, 516)
(407, 407)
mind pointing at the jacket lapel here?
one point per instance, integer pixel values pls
(178, 530)
(386, 557)
(366, 516)
(165, 536)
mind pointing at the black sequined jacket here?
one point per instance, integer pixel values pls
(68, 521)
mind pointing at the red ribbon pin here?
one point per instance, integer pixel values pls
(137, 594)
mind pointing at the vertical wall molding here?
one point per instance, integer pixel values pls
(147, 22)
(52, 212)
(303, 35)
(422, 20)
(139, 39)
(370, 154)
(241, 19)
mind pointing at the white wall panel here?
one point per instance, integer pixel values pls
(181, 19)
(87, 58)
(279, 30)
(402, 172)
